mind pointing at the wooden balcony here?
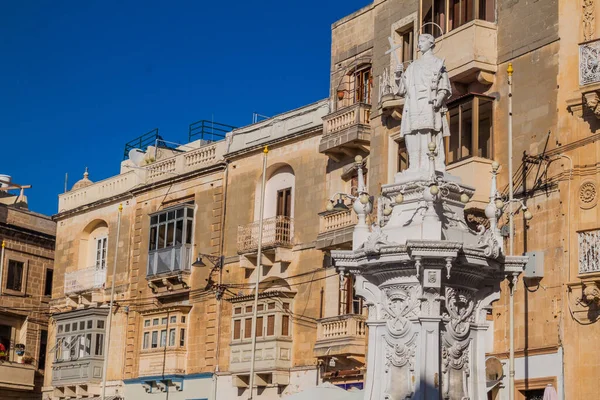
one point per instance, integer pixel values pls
(335, 230)
(169, 270)
(16, 376)
(346, 132)
(342, 335)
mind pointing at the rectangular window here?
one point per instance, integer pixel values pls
(48, 282)
(101, 248)
(461, 12)
(173, 319)
(163, 321)
(285, 325)
(163, 338)
(248, 309)
(146, 340)
(182, 337)
(100, 324)
(81, 325)
(60, 329)
(237, 329)
(247, 328)
(183, 319)
(43, 348)
(172, 337)
(271, 306)
(408, 45)
(260, 307)
(89, 324)
(99, 344)
(14, 278)
(434, 12)
(237, 310)
(284, 202)
(259, 326)
(362, 81)
(270, 325)
(153, 242)
(154, 339)
(155, 322)
(67, 328)
(146, 323)
(471, 129)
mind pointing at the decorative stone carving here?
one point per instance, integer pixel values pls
(591, 294)
(588, 194)
(400, 368)
(489, 242)
(592, 99)
(402, 302)
(375, 241)
(475, 218)
(588, 19)
(589, 66)
(589, 248)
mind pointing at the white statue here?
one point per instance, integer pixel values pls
(426, 88)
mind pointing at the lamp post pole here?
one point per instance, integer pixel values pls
(258, 270)
(110, 309)
(513, 279)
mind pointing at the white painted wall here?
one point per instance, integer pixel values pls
(300, 379)
(194, 388)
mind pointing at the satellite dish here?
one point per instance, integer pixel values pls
(137, 156)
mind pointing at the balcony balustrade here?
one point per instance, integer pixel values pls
(346, 131)
(16, 376)
(341, 335)
(335, 229)
(277, 232)
(84, 280)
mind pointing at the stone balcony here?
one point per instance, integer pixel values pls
(470, 52)
(346, 132)
(335, 229)
(586, 101)
(342, 335)
(84, 280)
(277, 241)
(273, 359)
(14, 376)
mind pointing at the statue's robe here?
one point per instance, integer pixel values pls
(420, 84)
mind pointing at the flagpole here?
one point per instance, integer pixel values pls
(512, 283)
(258, 269)
(110, 309)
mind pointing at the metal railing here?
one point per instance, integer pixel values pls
(208, 131)
(589, 62)
(277, 232)
(341, 326)
(142, 142)
(85, 279)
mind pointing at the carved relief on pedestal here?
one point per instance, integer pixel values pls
(588, 19)
(458, 316)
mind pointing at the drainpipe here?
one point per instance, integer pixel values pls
(110, 312)
(258, 269)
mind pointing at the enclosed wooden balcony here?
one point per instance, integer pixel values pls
(335, 229)
(342, 335)
(346, 132)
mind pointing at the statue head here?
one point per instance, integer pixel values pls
(426, 42)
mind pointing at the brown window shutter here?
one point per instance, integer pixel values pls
(237, 327)
(259, 326)
(247, 328)
(270, 325)
(285, 325)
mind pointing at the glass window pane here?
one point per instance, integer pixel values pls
(172, 337)
(466, 129)
(154, 220)
(163, 338)
(146, 340)
(260, 307)
(179, 232)
(155, 321)
(67, 327)
(173, 319)
(161, 236)
(183, 319)
(154, 339)
(162, 217)
(180, 213)
(88, 344)
(60, 329)
(152, 241)
(453, 141)
(248, 309)
(485, 129)
(99, 344)
(285, 325)
(237, 310)
(74, 326)
(188, 231)
(190, 213)
(171, 215)
(237, 329)
(81, 325)
(271, 306)
(270, 325)
(182, 337)
(89, 324)
(146, 323)
(100, 324)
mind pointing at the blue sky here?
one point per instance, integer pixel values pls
(78, 79)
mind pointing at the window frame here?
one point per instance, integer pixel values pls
(447, 23)
(23, 278)
(51, 270)
(164, 324)
(476, 134)
(76, 344)
(271, 311)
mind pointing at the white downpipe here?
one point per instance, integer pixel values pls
(512, 283)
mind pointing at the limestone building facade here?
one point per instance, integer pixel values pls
(186, 329)
(26, 280)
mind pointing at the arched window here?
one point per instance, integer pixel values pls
(355, 86)
(279, 193)
(93, 245)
